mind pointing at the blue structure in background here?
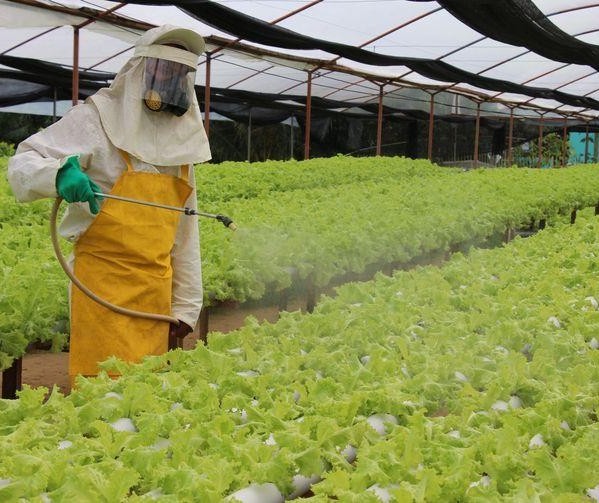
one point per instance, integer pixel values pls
(579, 142)
(583, 148)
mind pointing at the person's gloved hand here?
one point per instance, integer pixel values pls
(73, 185)
(180, 330)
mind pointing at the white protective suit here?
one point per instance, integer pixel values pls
(115, 118)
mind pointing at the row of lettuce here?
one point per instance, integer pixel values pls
(239, 180)
(474, 381)
(299, 223)
(317, 234)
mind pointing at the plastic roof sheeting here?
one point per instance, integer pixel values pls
(547, 58)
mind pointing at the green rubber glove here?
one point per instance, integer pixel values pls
(73, 185)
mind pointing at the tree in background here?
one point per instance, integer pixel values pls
(553, 152)
(14, 128)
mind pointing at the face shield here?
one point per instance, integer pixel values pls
(168, 86)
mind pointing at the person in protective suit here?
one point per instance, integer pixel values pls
(139, 138)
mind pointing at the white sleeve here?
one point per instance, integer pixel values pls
(187, 265)
(32, 170)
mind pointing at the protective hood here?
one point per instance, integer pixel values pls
(158, 138)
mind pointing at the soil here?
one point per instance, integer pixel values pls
(45, 368)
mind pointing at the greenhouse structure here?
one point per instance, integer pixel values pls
(452, 81)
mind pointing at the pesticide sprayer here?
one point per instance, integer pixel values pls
(226, 221)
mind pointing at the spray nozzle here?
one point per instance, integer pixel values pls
(227, 222)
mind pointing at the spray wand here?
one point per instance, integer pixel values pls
(226, 221)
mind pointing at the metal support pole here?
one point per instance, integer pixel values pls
(510, 140)
(379, 125)
(431, 123)
(454, 128)
(308, 116)
(476, 135)
(540, 144)
(207, 95)
(586, 144)
(54, 105)
(564, 162)
(250, 136)
(75, 85)
(291, 121)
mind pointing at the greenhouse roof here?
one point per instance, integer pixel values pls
(535, 58)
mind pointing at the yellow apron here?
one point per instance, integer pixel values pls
(124, 258)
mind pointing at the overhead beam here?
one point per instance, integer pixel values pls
(114, 19)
